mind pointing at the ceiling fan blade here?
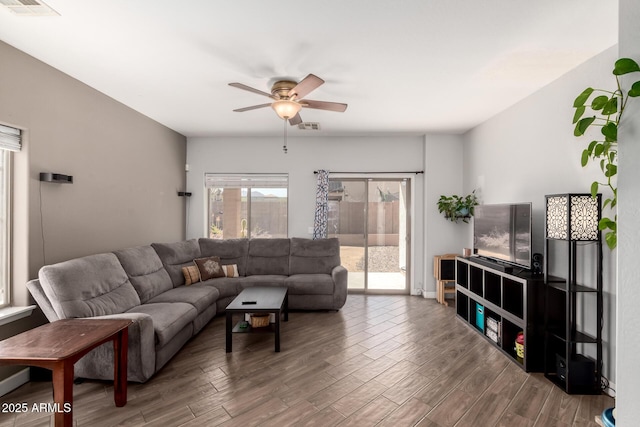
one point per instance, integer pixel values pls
(295, 120)
(250, 89)
(253, 107)
(323, 105)
(306, 85)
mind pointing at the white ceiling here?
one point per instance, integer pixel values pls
(404, 66)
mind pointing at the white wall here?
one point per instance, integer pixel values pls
(443, 176)
(306, 154)
(628, 379)
(529, 151)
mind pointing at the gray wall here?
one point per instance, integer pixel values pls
(126, 168)
(529, 151)
(628, 410)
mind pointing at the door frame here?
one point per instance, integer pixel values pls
(410, 179)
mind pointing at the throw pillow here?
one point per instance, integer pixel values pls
(209, 268)
(191, 274)
(230, 270)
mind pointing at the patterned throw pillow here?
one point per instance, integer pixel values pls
(230, 270)
(209, 268)
(191, 274)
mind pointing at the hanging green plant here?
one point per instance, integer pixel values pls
(607, 108)
(456, 208)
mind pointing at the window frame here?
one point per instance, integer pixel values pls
(6, 225)
(242, 181)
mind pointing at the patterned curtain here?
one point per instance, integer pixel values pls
(322, 205)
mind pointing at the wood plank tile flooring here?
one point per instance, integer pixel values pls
(381, 360)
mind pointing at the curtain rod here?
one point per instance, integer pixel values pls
(364, 173)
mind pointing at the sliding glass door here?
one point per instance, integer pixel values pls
(370, 217)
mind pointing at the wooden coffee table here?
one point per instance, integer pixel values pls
(59, 345)
(265, 300)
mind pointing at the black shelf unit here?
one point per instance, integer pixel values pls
(515, 301)
(573, 357)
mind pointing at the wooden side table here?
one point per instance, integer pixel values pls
(444, 272)
(59, 345)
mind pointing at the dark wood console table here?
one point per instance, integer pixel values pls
(59, 345)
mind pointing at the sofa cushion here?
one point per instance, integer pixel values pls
(226, 286)
(94, 285)
(209, 268)
(230, 251)
(174, 256)
(310, 284)
(262, 280)
(268, 256)
(198, 296)
(168, 318)
(314, 256)
(191, 274)
(230, 270)
(145, 270)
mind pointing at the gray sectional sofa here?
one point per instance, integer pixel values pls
(147, 284)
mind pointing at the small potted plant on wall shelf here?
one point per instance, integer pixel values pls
(456, 208)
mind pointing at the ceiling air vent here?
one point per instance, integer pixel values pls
(309, 126)
(28, 7)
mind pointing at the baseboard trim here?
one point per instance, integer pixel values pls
(431, 295)
(14, 381)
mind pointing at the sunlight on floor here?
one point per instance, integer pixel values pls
(378, 281)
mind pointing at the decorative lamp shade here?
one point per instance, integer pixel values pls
(286, 109)
(573, 217)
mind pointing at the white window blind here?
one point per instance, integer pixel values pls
(10, 138)
(214, 180)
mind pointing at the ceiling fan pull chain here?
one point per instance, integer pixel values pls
(284, 147)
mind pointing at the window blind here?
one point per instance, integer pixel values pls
(10, 138)
(246, 180)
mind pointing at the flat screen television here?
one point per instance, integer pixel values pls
(502, 232)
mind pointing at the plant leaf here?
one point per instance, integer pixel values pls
(612, 239)
(599, 150)
(582, 98)
(611, 170)
(606, 223)
(578, 114)
(635, 89)
(599, 102)
(610, 131)
(585, 158)
(606, 202)
(611, 106)
(583, 125)
(625, 66)
(594, 189)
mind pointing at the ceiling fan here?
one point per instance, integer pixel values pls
(288, 98)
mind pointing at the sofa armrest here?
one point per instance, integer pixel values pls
(141, 358)
(36, 291)
(339, 274)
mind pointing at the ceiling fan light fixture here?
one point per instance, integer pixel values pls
(286, 109)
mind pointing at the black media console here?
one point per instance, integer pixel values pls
(501, 306)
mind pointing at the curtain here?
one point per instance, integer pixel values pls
(322, 205)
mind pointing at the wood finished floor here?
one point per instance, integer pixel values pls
(381, 360)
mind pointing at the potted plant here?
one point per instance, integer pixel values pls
(456, 208)
(607, 108)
